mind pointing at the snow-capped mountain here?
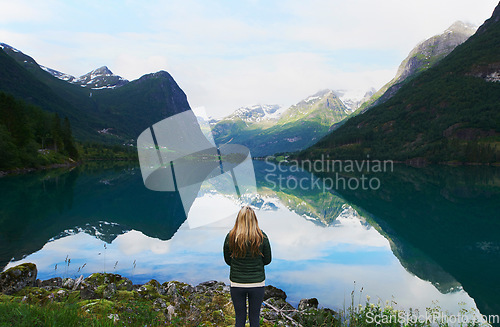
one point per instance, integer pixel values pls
(423, 56)
(258, 113)
(353, 99)
(6, 46)
(323, 106)
(58, 74)
(100, 78)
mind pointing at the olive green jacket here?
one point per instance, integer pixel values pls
(248, 269)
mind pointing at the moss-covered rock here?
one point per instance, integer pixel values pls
(16, 278)
(114, 299)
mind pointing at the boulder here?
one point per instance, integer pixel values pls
(88, 294)
(171, 289)
(16, 278)
(68, 283)
(186, 289)
(209, 283)
(272, 291)
(308, 304)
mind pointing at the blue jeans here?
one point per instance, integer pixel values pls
(255, 298)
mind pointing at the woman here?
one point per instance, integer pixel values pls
(247, 251)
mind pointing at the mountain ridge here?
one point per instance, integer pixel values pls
(448, 113)
(423, 56)
(99, 78)
(296, 128)
(123, 112)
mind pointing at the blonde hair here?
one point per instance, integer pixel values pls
(245, 233)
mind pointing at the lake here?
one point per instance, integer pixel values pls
(424, 237)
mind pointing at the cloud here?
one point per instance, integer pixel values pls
(22, 11)
(229, 55)
(277, 78)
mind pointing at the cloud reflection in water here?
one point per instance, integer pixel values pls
(309, 260)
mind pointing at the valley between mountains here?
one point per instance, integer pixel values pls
(442, 106)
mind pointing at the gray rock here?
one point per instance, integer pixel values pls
(78, 282)
(308, 304)
(219, 286)
(200, 288)
(160, 303)
(171, 312)
(275, 292)
(109, 291)
(186, 289)
(88, 294)
(193, 314)
(209, 283)
(54, 282)
(125, 284)
(16, 278)
(171, 289)
(68, 283)
(179, 299)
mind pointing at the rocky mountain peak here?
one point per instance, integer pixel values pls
(434, 49)
(424, 55)
(461, 27)
(104, 70)
(100, 78)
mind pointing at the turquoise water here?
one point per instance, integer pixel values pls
(424, 236)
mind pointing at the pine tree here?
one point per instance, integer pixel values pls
(57, 133)
(67, 136)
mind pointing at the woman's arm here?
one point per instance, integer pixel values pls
(266, 251)
(227, 251)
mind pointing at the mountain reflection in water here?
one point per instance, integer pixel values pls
(324, 245)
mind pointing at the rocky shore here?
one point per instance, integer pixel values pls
(115, 298)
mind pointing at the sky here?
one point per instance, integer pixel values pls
(229, 54)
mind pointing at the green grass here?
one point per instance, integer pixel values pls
(22, 314)
(84, 313)
(140, 312)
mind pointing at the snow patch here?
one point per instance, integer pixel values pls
(354, 98)
(257, 113)
(312, 98)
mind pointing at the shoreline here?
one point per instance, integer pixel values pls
(410, 163)
(26, 170)
(104, 299)
(108, 296)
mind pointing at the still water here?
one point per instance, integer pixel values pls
(425, 237)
